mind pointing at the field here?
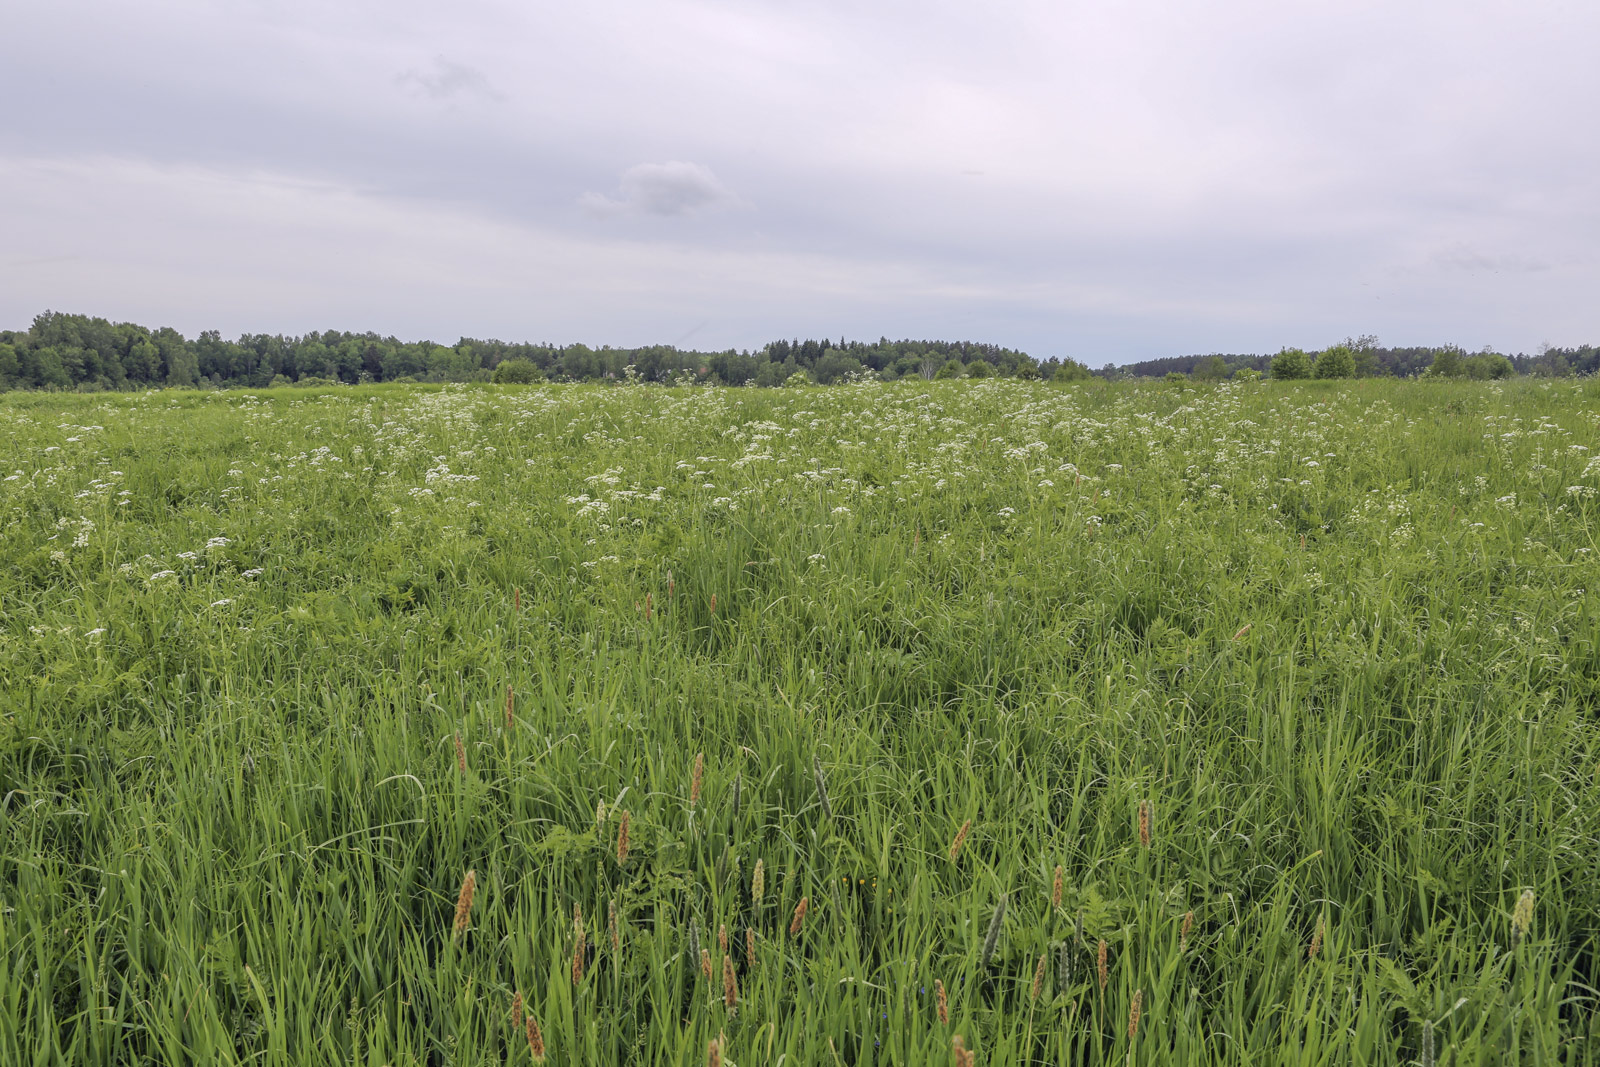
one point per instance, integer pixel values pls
(1235, 725)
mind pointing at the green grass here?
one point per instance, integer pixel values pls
(1340, 637)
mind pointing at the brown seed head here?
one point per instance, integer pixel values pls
(961, 839)
(622, 839)
(1144, 823)
(511, 698)
(577, 962)
(695, 778)
(1038, 978)
(1242, 630)
(713, 603)
(799, 915)
(722, 938)
(1055, 887)
(758, 883)
(469, 886)
(1183, 934)
(516, 1010)
(1100, 965)
(730, 984)
(705, 963)
(714, 1053)
(1316, 941)
(535, 1039)
(649, 608)
(461, 754)
(944, 1002)
(750, 948)
(616, 932)
(958, 1052)
(1133, 1013)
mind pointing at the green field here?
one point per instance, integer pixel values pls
(1296, 686)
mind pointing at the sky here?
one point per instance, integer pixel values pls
(1107, 181)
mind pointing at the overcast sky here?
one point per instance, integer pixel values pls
(1109, 180)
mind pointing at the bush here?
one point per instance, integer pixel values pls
(980, 368)
(951, 369)
(1290, 364)
(1336, 362)
(1072, 371)
(1245, 374)
(517, 372)
(1176, 377)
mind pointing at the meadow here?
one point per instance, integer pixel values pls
(913, 723)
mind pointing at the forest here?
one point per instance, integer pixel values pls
(86, 354)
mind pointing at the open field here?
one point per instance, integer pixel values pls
(1286, 694)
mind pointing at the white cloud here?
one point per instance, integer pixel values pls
(674, 188)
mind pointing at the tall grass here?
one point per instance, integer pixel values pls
(1267, 715)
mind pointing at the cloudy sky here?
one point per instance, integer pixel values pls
(1106, 180)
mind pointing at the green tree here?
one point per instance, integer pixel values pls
(1211, 369)
(1335, 362)
(517, 371)
(834, 365)
(1290, 364)
(980, 368)
(1072, 371)
(1446, 363)
(952, 369)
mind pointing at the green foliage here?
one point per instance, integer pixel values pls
(1291, 364)
(835, 366)
(1245, 374)
(1335, 362)
(1176, 378)
(518, 371)
(979, 368)
(952, 369)
(1340, 643)
(1210, 369)
(1072, 371)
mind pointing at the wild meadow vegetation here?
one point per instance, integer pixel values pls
(917, 723)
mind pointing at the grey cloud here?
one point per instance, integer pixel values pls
(447, 79)
(673, 188)
(1466, 257)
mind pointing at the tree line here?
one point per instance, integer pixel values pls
(79, 352)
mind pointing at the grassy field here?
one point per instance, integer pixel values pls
(1247, 725)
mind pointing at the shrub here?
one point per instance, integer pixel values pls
(517, 371)
(1289, 364)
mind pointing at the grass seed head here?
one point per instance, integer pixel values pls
(1134, 1010)
(1522, 918)
(461, 754)
(695, 778)
(1316, 941)
(722, 939)
(758, 884)
(1056, 886)
(1063, 967)
(1100, 968)
(705, 963)
(600, 819)
(958, 1052)
(991, 940)
(714, 1053)
(822, 788)
(577, 959)
(730, 984)
(960, 839)
(944, 1002)
(535, 1039)
(1144, 823)
(1038, 978)
(469, 886)
(616, 931)
(799, 916)
(1183, 932)
(694, 939)
(511, 703)
(622, 839)
(749, 948)
(516, 1010)
(1427, 1043)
